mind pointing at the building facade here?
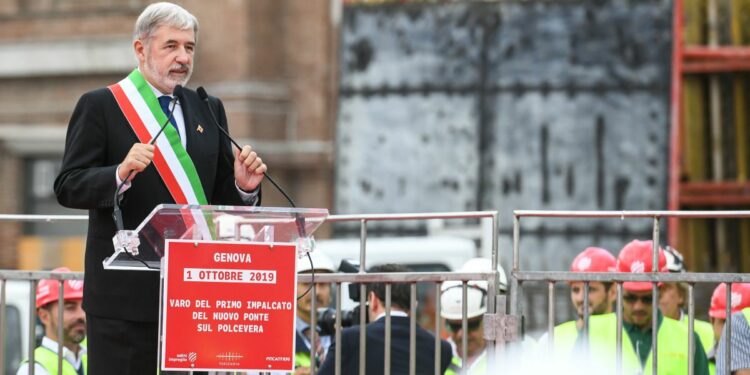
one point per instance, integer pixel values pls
(272, 62)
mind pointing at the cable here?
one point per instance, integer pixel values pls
(312, 277)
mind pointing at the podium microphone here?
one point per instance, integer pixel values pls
(299, 220)
(116, 212)
(204, 96)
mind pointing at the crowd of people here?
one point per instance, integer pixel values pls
(569, 347)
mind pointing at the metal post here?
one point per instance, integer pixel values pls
(655, 300)
(691, 329)
(438, 328)
(60, 308)
(32, 324)
(362, 245)
(492, 307)
(514, 303)
(586, 314)
(728, 325)
(362, 328)
(313, 329)
(387, 349)
(337, 365)
(3, 323)
(618, 312)
(551, 315)
(464, 328)
(413, 329)
(362, 298)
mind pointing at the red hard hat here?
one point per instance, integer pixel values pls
(48, 291)
(740, 299)
(636, 257)
(594, 259)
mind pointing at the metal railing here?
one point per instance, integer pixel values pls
(33, 278)
(337, 279)
(516, 280)
(518, 277)
(364, 278)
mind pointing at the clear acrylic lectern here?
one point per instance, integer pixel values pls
(143, 247)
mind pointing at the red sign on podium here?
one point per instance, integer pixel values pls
(229, 306)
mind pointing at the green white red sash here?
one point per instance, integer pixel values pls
(144, 114)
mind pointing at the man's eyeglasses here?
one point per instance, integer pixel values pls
(632, 298)
(471, 325)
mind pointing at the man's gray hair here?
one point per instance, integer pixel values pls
(163, 14)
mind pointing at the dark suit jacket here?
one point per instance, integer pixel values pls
(375, 347)
(98, 139)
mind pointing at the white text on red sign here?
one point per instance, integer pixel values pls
(229, 276)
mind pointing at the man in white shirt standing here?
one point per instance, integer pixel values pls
(73, 327)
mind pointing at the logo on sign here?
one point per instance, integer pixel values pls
(75, 284)
(736, 299)
(584, 263)
(192, 357)
(637, 267)
(229, 358)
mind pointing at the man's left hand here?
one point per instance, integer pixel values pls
(248, 169)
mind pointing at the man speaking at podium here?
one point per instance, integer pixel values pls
(107, 148)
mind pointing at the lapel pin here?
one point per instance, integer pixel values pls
(199, 129)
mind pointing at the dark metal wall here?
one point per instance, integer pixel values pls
(513, 105)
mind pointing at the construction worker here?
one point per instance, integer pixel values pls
(718, 313)
(673, 297)
(740, 346)
(305, 334)
(636, 257)
(601, 295)
(451, 304)
(73, 324)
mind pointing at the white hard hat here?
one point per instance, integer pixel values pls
(675, 261)
(321, 262)
(476, 291)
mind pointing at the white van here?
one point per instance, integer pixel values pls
(435, 253)
(419, 254)
(16, 330)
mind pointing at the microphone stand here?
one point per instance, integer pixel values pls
(299, 220)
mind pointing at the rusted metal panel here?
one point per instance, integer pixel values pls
(443, 106)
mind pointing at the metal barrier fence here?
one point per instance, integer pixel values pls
(496, 326)
(518, 277)
(33, 278)
(493, 320)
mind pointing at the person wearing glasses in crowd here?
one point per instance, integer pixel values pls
(451, 301)
(636, 257)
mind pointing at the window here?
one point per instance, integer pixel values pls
(39, 198)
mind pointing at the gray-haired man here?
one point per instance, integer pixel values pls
(107, 145)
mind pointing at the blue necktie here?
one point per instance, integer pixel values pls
(164, 102)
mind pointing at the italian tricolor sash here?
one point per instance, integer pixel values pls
(144, 114)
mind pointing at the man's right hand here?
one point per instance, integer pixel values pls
(137, 159)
